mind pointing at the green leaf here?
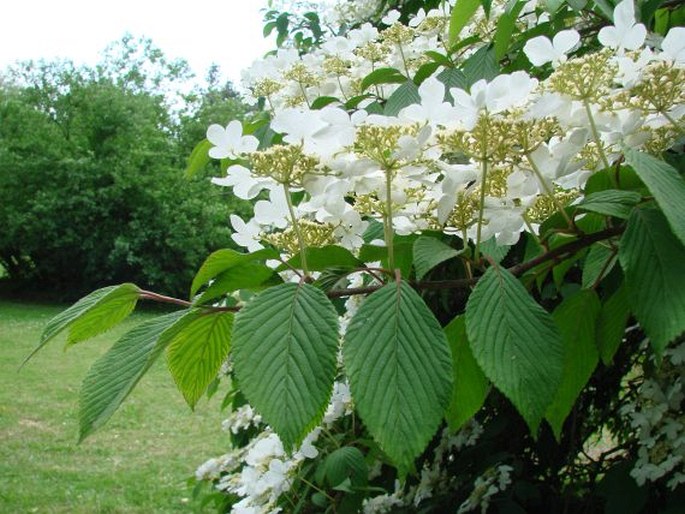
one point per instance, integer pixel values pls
(382, 76)
(652, 259)
(285, 343)
(398, 363)
(406, 94)
(429, 252)
(505, 28)
(598, 263)
(439, 58)
(425, 71)
(91, 315)
(332, 278)
(319, 259)
(611, 324)
(470, 385)
(199, 158)
(452, 78)
(323, 101)
(515, 342)
(667, 186)
(462, 13)
(195, 353)
(346, 463)
(576, 318)
(611, 202)
(403, 251)
(373, 231)
(481, 65)
(116, 373)
(353, 102)
(496, 252)
(248, 276)
(223, 260)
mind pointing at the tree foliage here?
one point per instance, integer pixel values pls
(90, 184)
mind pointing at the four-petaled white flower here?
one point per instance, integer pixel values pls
(229, 141)
(625, 33)
(540, 50)
(432, 109)
(246, 234)
(502, 93)
(673, 46)
(245, 185)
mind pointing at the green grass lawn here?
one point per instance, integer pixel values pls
(140, 460)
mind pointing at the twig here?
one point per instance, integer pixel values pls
(462, 283)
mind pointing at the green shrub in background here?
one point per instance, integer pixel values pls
(91, 174)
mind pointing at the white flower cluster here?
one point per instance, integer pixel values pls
(334, 12)
(658, 419)
(240, 419)
(261, 471)
(490, 483)
(489, 160)
(435, 477)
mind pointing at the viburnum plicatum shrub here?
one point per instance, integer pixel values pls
(463, 286)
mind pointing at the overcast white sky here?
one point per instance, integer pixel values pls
(228, 32)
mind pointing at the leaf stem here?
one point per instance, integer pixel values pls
(548, 191)
(387, 221)
(481, 208)
(296, 228)
(517, 270)
(595, 134)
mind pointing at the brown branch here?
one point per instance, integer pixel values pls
(462, 283)
(149, 295)
(518, 270)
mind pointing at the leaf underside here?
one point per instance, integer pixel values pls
(114, 375)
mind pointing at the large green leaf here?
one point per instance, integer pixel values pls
(667, 186)
(611, 202)
(285, 343)
(115, 374)
(398, 363)
(505, 28)
(576, 318)
(382, 76)
(195, 353)
(652, 259)
(598, 263)
(462, 13)
(611, 324)
(429, 252)
(223, 260)
(452, 77)
(470, 385)
(406, 94)
(319, 259)
(346, 463)
(495, 251)
(91, 315)
(515, 342)
(482, 65)
(250, 276)
(199, 158)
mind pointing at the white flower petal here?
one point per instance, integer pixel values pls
(539, 50)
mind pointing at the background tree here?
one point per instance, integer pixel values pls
(91, 174)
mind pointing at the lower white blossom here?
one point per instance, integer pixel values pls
(658, 419)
